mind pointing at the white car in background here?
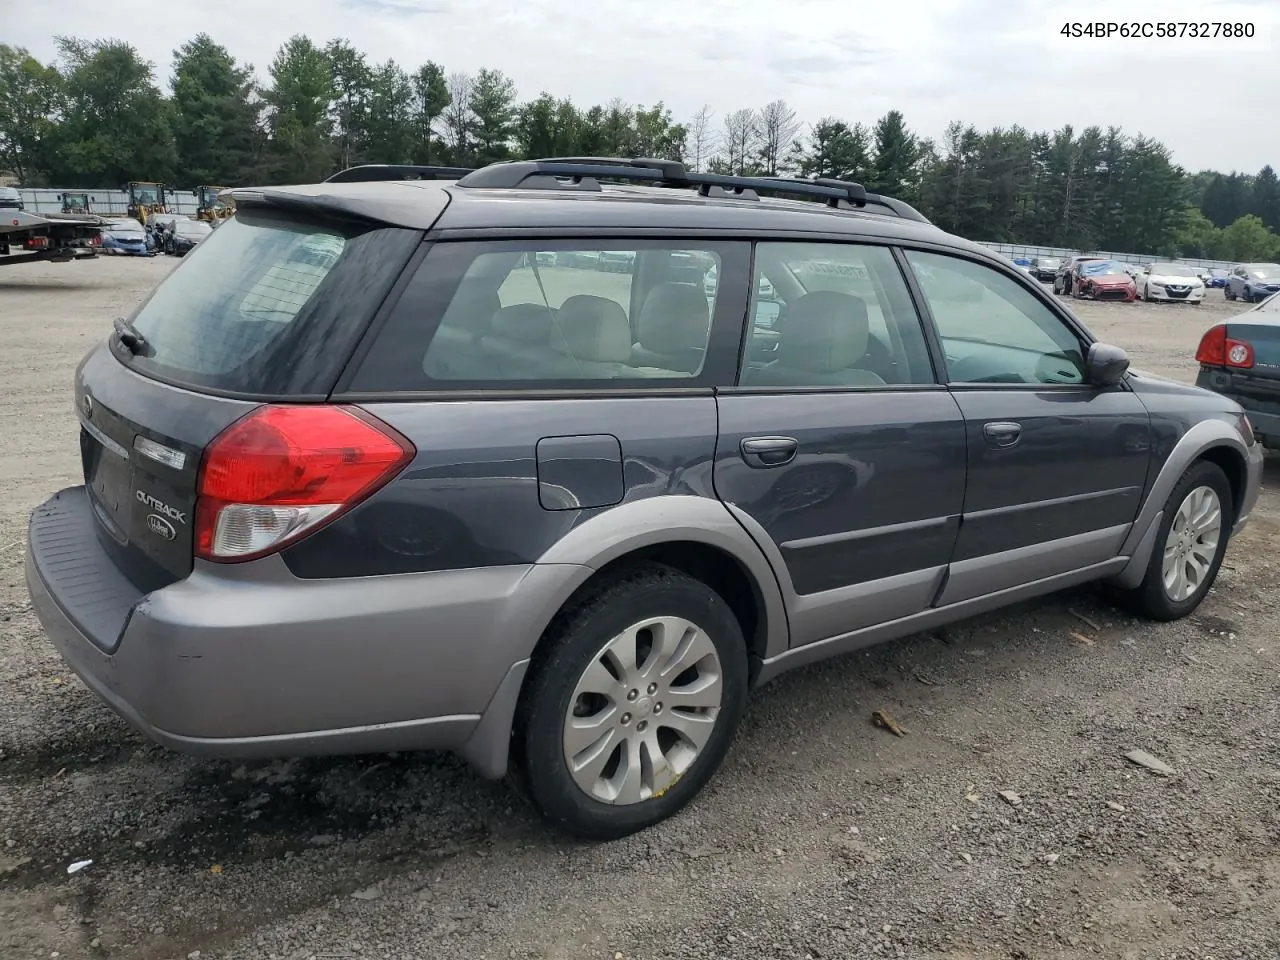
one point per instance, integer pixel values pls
(1175, 282)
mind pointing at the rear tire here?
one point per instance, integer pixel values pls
(636, 760)
(1192, 539)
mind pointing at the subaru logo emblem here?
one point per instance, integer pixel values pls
(160, 526)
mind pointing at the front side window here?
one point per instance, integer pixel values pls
(832, 315)
(530, 313)
(994, 330)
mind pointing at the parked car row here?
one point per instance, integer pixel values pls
(1100, 277)
(1252, 282)
(170, 234)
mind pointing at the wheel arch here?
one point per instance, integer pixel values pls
(1215, 440)
(697, 535)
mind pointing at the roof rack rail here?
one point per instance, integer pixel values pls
(368, 172)
(898, 207)
(584, 173)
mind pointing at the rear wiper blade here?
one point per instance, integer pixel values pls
(130, 336)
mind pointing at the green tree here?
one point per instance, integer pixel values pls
(352, 81)
(1248, 239)
(430, 97)
(1198, 237)
(215, 114)
(117, 125)
(894, 169)
(31, 99)
(299, 98)
(1226, 198)
(1152, 214)
(390, 121)
(836, 150)
(547, 127)
(1265, 199)
(493, 104)
(654, 134)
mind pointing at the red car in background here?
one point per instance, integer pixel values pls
(1104, 280)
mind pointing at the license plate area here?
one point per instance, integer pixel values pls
(107, 476)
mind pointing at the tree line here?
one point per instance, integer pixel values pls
(98, 117)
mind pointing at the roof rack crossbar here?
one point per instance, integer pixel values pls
(369, 172)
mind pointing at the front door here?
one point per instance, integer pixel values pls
(1056, 466)
(839, 450)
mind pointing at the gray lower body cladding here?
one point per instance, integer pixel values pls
(246, 660)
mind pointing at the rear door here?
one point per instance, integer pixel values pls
(1056, 466)
(838, 449)
(267, 309)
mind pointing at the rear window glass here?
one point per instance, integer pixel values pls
(485, 315)
(268, 304)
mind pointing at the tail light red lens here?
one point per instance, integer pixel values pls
(284, 471)
(1213, 347)
(1218, 350)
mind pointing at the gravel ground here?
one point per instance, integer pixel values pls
(821, 837)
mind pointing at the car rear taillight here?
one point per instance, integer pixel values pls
(1218, 350)
(283, 471)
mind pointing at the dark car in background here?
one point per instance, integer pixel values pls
(1240, 358)
(184, 235)
(1216, 278)
(1045, 269)
(1252, 282)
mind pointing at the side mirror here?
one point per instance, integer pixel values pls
(1105, 365)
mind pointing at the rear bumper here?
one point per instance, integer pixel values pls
(246, 660)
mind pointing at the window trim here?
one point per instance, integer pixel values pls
(738, 389)
(1082, 335)
(726, 320)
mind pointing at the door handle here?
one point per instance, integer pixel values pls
(1002, 433)
(769, 451)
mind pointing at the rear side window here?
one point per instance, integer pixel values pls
(833, 315)
(538, 314)
(268, 305)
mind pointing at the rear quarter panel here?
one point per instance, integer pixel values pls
(472, 496)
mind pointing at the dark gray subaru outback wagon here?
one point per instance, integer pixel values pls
(549, 462)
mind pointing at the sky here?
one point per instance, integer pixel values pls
(1214, 102)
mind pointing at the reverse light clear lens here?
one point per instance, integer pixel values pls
(160, 453)
(245, 529)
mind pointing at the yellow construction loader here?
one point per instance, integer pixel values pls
(209, 208)
(146, 199)
(78, 203)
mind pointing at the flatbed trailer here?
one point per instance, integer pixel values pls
(58, 237)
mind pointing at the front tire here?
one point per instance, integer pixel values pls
(634, 705)
(1190, 545)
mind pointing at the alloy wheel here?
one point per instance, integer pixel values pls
(643, 710)
(1192, 543)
